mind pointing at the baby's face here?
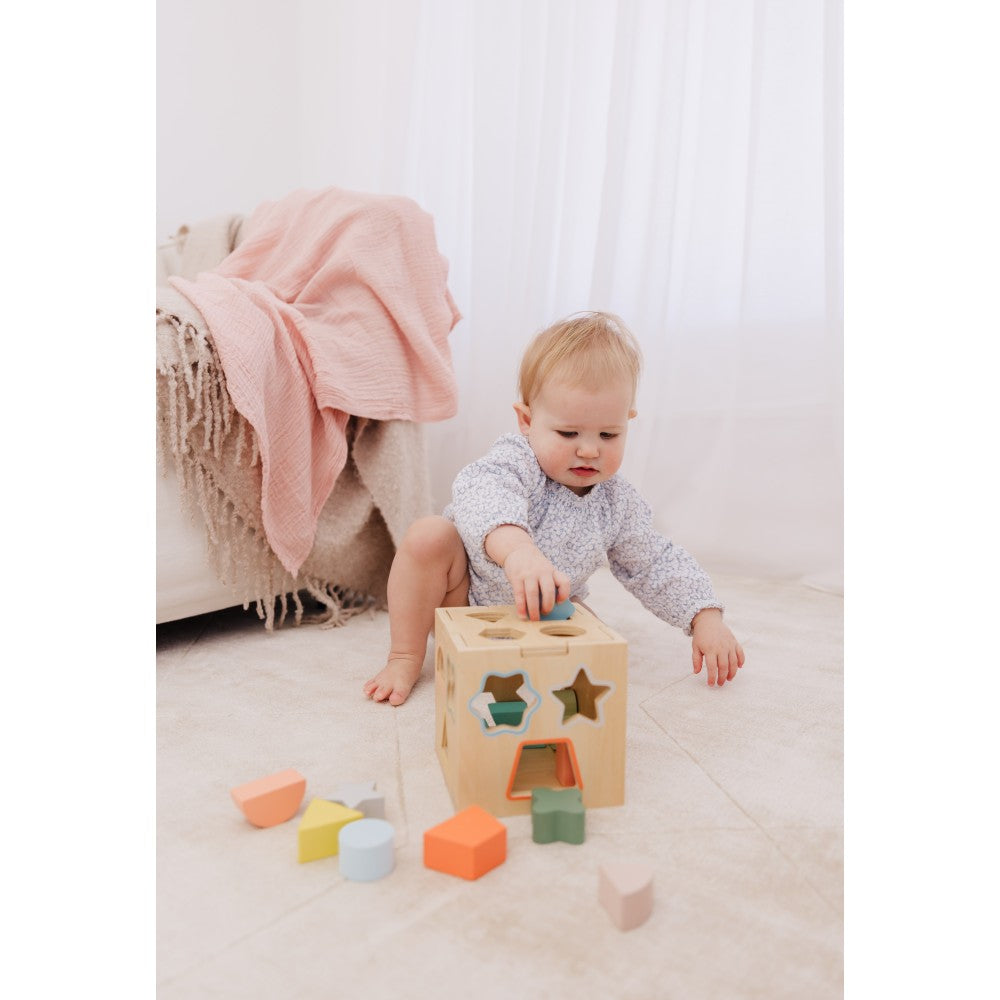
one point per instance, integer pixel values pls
(577, 434)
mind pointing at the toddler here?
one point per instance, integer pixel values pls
(532, 520)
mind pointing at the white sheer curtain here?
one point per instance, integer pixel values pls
(675, 161)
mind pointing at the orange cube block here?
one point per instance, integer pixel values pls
(271, 800)
(469, 844)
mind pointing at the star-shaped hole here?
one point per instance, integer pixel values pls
(582, 697)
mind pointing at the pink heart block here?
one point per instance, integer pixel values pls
(625, 890)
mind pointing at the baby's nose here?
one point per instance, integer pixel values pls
(588, 449)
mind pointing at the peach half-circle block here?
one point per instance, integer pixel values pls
(271, 800)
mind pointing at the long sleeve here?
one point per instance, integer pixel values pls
(663, 576)
(577, 533)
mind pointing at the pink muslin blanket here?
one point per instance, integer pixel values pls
(335, 303)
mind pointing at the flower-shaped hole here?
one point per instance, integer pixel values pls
(503, 700)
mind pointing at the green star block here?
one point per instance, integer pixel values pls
(557, 814)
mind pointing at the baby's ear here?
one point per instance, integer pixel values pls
(523, 412)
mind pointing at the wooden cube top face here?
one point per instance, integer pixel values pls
(487, 628)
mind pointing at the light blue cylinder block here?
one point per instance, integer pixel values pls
(367, 850)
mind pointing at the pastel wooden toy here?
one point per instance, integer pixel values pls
(570, 702)
(507, 713)
(481, 706)
(469, 844)
(625, 890)
(361, 796)
(271, 800)
(320, 826)
(560, 612)
(557, 815)
(522, 705)
(367, 850)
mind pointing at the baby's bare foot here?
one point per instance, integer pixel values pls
(395, 681)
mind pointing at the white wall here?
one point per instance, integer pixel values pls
(705, 208)
(227, 85)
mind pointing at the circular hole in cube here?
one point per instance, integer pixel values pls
(562, 629)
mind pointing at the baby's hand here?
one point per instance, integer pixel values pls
(713, 643)
(537, 584)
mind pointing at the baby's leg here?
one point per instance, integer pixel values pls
(430, 570)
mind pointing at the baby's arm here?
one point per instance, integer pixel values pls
(536, 583)
(669, 582)
(713, 643)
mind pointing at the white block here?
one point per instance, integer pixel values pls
(361, 796)
(480, 705)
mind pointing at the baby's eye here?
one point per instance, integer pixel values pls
(608, 435)
(566, 434)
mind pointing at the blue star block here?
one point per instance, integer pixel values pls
(557, 814)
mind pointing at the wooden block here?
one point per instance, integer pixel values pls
(564, 766)
(568, 683)
(569, 701)
(543, 765)
(625, 890)
(361, 796)
(557, 815)
(481, 706)
(367, 850)
(527, 695)
(469, 844)
(560, 612)
(271, 800)
(507, 713)
(320, 826)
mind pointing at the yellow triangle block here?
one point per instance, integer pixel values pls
(320, 826)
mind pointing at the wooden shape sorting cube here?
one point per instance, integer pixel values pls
(557, 815)
(367, 850)
(571, 679)
(625, 890)
(469, 844)
(320, 826)
(271, 800)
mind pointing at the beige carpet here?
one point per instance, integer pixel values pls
(735, 796)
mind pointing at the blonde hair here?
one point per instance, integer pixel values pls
(585, 349)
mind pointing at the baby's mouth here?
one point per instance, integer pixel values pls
(584, 471)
